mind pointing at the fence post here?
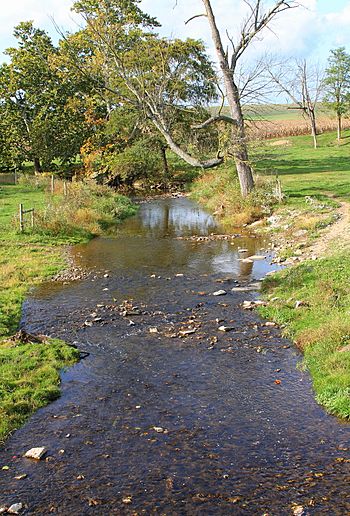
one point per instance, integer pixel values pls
(21, 227)
(65, 188)
(52, 184)
(32, 218)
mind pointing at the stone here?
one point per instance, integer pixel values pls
(257, 257)
(36, 453)
(220, 293)
(183, 333)
(225, 328)
(21, 477)
(345, 349)
(242, 250)
(270, 324)
(153, 330)
(257, 223)
(15, 508)
(243, 289)
(158, 429)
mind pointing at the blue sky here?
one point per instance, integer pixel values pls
(309, 32)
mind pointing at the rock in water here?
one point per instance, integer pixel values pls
(15, 508)
(220, 293)
(35, 453)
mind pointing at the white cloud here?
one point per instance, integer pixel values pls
(302, 31)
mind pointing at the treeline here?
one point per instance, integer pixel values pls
(114, 97)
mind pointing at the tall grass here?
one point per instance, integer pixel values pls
(78, 208)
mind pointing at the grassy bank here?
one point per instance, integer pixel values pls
(313, 301)
(314, 181)
(29, 373)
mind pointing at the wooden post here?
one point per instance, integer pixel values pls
(21, 226)
(15, 178)
(52, 184)
(65, 188)
(32, 218)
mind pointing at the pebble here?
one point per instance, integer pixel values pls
(36, 453)
(220, 293)
(15, 508)
(225, 328)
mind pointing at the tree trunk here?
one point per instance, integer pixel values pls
(339, 127)
(37, 166)
(313, 127)
(240, 151)
(163, 149)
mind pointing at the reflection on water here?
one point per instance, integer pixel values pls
(170, 218)
(149, 240)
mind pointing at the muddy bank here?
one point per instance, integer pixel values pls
(169, 414)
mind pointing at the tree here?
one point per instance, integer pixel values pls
(43, 114)
(337, 84)
(256, 20)
(303, 84)
(164, 81)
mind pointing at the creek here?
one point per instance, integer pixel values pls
(168, 414)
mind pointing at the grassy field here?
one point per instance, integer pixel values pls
(29, 373)
(320, 325)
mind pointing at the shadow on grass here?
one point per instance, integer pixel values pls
(305, 166)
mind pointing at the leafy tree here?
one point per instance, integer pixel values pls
(43, 115)
(337, 84)
(166, 83)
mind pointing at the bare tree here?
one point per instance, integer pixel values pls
(257, 20)
(303, 84)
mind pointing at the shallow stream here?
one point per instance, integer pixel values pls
(168, 414)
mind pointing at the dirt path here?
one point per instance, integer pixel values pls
(337, 236)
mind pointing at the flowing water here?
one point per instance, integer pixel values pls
(169, 415)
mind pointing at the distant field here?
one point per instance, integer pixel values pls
(269, 121)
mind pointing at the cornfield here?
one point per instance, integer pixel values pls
(265, 129)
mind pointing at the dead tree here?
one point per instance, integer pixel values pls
(302, 83)
(256, 21)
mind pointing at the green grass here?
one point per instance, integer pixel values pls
(320, 326)
(304, 170)
(29, 373)
(29, 379)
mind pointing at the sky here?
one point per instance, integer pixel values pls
(309, 31)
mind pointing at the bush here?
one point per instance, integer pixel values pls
(87, 210)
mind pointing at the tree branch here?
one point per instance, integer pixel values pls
(194, 17)
(213, 119)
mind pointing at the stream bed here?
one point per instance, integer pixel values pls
(168, 414)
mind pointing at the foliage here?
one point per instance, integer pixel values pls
(87, 210)
(42, 114)
(219, 191)
(337, 83)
